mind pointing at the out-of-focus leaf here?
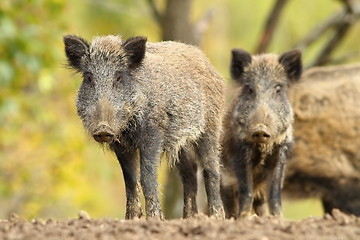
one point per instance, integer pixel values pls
(6, 73)
(7, 28)
(45, 81)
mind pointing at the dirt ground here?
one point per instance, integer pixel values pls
(339, 226)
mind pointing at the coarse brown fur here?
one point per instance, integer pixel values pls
(258, 132)
(326, 158)
(156, 98)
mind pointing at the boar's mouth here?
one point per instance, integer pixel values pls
(103, 134)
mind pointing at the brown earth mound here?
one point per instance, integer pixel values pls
(338, 226)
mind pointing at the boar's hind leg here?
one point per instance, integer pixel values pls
(127, 160)
(149, 159)
(208, 151)
(187, 168)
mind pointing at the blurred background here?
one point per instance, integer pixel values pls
(49, 167)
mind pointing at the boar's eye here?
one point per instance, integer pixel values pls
(248, 89)
(278, 88)
(88, 77)
(118, 76)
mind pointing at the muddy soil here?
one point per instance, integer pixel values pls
(338, 226)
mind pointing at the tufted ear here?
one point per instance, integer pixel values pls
(292, 64)
(135, 48)
(239, 60)
(75, 48)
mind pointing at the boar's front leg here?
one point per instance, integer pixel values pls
(150, 153)
(242, 163)
(128, 162)
(276, 181)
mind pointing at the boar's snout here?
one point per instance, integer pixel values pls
(260, 135)
(103, 134)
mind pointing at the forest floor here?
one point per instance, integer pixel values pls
(338, 226)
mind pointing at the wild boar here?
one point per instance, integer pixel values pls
(258, 132)
(147, 99)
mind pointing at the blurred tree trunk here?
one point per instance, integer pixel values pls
(176, 25)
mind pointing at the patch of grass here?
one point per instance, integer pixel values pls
(300, 209)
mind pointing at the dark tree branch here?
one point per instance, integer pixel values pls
(314, 34)
(330, 46)
(341, 29)
(348, 4)
(270, 25)
(333, 21)
(155, 12)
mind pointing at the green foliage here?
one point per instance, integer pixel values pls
(25, 67)
(25, 26)
(42, 151)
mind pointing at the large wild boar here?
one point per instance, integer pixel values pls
(326, 157)
(145, 99)
(258, 132)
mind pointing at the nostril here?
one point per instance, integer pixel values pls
(260, 136)
(266, 135)
(256, 135)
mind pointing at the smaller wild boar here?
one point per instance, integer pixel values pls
(258, 132)
(148, 99)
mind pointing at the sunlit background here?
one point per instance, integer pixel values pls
(49, 167)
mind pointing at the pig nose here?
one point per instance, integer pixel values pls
(103, 134)
(260, 136)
